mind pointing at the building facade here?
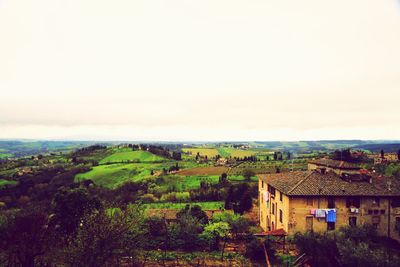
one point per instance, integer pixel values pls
(321, 201)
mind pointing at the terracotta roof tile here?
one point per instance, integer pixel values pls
(312, 183)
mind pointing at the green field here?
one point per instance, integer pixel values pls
(211, 205)
(5, 155)
(114, 175)
(176, 183)
(209, 152)
(131, 156)
(7, 182)
(234, 152)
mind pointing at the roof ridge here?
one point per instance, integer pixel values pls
(299, 182)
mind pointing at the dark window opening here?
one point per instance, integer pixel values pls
(280, 196)
(353, 221)
(331, 203)
(280, 216)
(331, 226)
(271, 190)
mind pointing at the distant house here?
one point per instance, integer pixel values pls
(388, 158)
(320, 201)
(335, 166)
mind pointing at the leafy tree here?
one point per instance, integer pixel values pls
(247, 173)
(237, 223)
(214, 232)
(25, 237)
(186, 232)
(102, 238)
(69, 206)
(239, 198)
(194, 211)
(382, 154)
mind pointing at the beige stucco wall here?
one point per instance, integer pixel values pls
(296, 210)
(267, 218)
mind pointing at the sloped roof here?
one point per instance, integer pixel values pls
(335, 164)
(313, 183)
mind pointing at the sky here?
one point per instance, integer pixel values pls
(206, 70)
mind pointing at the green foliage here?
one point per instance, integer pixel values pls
(69, 206)
(237, 223)
(393, 169)
(351, 246)
(215, 231)
(239, 198)
(194, 211)
(209, 205)
(101, 238)
(247, 173)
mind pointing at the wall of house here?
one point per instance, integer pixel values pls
(369, 213)
(312, 166)
(267, 218)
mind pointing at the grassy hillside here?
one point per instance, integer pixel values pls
(132, 156)
(209, 152)
(6, 182)
(114, 175)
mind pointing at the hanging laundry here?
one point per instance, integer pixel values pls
(312, 211)
(320, 213)
(266, 196)
(331, 215)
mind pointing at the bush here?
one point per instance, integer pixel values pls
(182, 197)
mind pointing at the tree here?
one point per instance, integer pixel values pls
(214, 232)
(247, 173)
(239, 198)
(104, 237)
(69, 206)
(382, 154)
(398, 155)
(25, 237)
(194, 211)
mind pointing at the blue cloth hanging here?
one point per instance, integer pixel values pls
(331, 215)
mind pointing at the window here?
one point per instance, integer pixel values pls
(271, 190)
(331, 226)
(273, 208)
(383, 211)
(353, 221)
(280, 196)
(376, 212)
(262, 184)
(261, 216)
(331, 203)
(376, 201)
(375, 221)
(310, 201)
(369, 212)
(353, 202)
(280, 216)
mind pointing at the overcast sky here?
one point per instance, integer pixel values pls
(200, 70)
